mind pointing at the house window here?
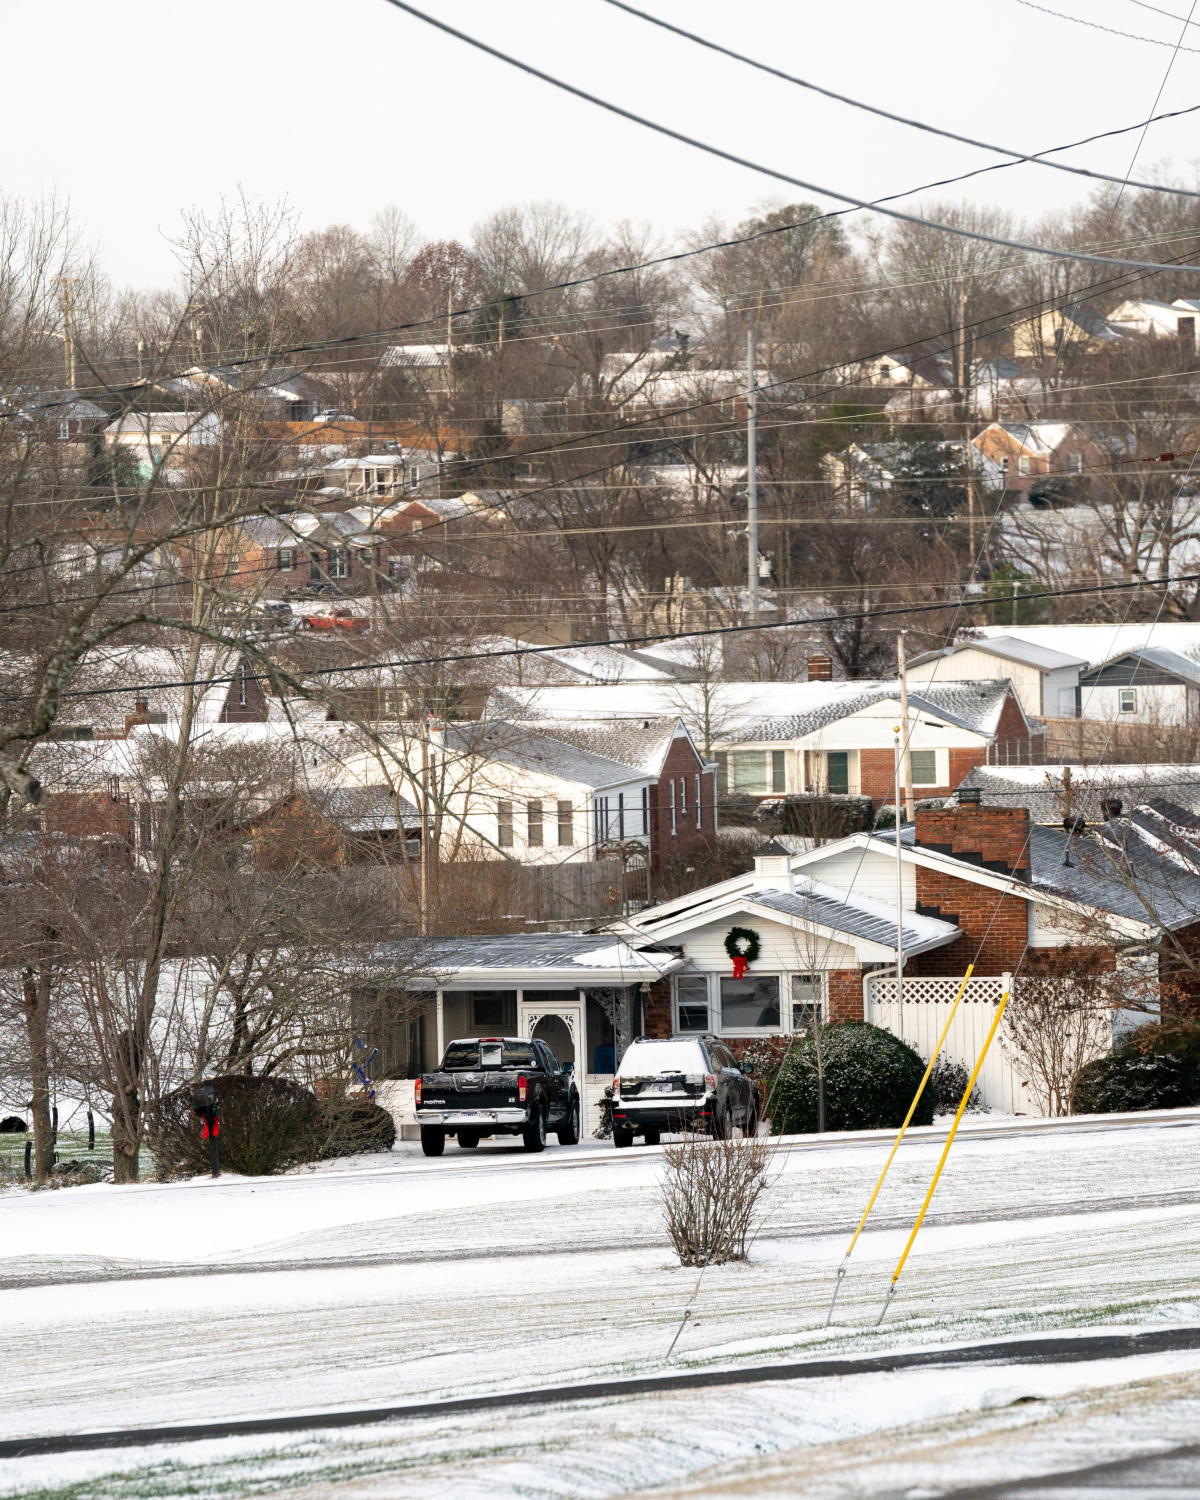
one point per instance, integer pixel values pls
(1004, 464)
(923, 766)
(337, 563)
(1128, 700)
(533, 814)
(778, 771)
(314, 567)
(646, 810)
(672, 807)
(697, 799)
(287, 559)
(241, 684)
(691, 1003)
(414, 475)
(1023, 464)
(601, 819)
(808, 994)
(746, 772)
(683, 795)
(750, 1004)
(1074, 463)
(504, 823)
(566, 823)
(493, 1010)
(837, 773)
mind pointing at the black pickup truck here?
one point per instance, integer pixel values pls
(497, 1085)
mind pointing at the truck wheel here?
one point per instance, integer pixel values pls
(622, 1137)
(534, 1134)
(652, 1137)
(433, 1140)
(468, 1139)
(569, 1134)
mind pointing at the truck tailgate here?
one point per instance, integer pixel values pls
(486, 1089)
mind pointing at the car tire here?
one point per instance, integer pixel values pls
(433, 1140)
(652, 1137)
(622, 1138)
(468, 1139)
(534, 1134)
(569, 1134)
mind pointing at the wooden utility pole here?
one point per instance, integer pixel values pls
(905, 756)
(424, 915)
(751, 476)
(963, 382)
(66, 297)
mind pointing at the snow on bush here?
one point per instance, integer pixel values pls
(870, 1077)
(1155, 1068)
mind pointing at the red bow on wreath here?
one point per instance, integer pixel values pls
(743, 947)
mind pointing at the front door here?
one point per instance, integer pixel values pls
(558, 1023)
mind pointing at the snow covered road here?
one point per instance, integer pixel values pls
(398, 1279)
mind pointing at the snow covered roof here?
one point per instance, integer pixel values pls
(1097, 643)
(641, 743)
(587, 958)
(521, 747)
(1012, 648)
(1041, 789)
(1160, 657)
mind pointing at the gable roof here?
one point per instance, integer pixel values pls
(1011, 648)
(643, 744)
(517, 746)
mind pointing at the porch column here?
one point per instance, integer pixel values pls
(441, 1028)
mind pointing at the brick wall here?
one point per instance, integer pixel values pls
(657, 1011)
(679, 769)
(996, 836)
(845, 994)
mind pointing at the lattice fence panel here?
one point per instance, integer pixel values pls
(918, 1020)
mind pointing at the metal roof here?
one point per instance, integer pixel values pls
(1012, 648)
(873, 921)
(587, 957)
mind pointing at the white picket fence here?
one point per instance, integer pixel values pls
(918, 1020)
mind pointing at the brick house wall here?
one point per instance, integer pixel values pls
(679, 772)
(996, 838)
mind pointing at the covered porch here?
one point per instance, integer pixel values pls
(584, 995)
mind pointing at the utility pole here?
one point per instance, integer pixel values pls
(899, 899)
(66, 297)
(963, 381)
(906, 757)
(751, 475)
(424, 923)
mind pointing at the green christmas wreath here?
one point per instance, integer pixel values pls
(743, 942)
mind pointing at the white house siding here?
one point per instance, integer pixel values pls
(1158, 703)
(871, 875)
(971, 665)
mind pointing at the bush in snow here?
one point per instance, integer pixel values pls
(709, 1193)
(1154, 1068)
(355, 1124)
(949, 1083)
(267, 1124)
(870, 1077)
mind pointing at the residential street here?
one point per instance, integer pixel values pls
(394, 1279)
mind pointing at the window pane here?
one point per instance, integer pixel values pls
(747, 1004)
(778, 773)
(722, 760)
(748, 772)
(691, 992)
(566, 823)
(807, 993)
(504, 823)
(837, 772)
(924, 767)
(534, 812)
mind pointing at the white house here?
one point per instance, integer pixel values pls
(1155, 319)
(1046, 681)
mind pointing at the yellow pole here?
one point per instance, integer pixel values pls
(946, 1149)
(941, 1042)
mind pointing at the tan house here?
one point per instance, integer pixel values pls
(1080, 330)
(1025, 452)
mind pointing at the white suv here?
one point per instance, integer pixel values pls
(683, 1083)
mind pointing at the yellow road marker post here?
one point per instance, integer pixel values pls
(945, 1153)
(941, 1041)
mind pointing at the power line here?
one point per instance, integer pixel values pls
(876, 206)
(1129, 36)
(642, 639)
(1170, 14)
(908, 120)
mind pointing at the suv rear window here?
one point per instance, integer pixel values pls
(463, 1056)
(649, 1059)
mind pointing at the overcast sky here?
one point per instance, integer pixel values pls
(138, 109)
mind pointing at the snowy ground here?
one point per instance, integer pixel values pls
(395, 1278)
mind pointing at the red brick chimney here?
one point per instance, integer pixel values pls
(140, 714)
(995, 837)
(820, 667)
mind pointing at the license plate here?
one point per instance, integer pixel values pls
(662, 1088)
